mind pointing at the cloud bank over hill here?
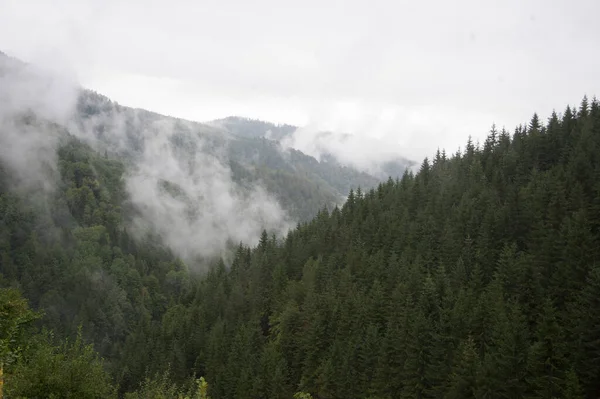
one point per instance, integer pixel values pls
(371, 136)
(179, 184)
(368, 145)
(187, 195)
(32, 100)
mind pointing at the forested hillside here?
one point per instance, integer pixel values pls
(149, 146)
(322, 145)
(302, 184)
(478, 276)
(254, 128)
(298, 181)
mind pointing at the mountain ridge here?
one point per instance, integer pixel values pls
(206, 166)
(285, 133)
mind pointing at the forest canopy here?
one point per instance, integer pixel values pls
(478, 276)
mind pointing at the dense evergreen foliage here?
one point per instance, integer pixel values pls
(478, 276)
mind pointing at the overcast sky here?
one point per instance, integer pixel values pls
(416, 74)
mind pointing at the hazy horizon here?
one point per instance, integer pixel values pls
(416, 77)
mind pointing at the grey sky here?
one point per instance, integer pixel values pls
(416, 75)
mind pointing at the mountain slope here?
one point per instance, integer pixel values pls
(254, 128)
(478, 276)
(326, 183)
(224, 178)
(321, 145)
(480, 269)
